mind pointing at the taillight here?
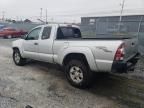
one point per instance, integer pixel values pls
(120, 53)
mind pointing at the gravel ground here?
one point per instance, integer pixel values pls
(42, 85)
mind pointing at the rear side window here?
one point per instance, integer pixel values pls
(46, 33)
(68, 33)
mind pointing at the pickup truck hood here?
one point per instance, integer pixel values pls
(17, 43)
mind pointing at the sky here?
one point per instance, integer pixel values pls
(65, 10)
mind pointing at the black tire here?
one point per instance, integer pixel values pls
(21, 61)
(86, 81)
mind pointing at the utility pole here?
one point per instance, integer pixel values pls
(122, 8)
(121, 12)
(17, 18)
(52, 20)
(46, 17)
(41, 9)
(3, 15)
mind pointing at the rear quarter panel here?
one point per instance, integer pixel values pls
(99, 53)
(103, 52)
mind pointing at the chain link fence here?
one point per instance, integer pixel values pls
(112, 27)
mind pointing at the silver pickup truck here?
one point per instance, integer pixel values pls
(63, 44)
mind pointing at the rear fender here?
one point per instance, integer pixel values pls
(81, 50)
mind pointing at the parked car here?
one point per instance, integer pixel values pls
(63, 44)
(1, 25)
(9, 32)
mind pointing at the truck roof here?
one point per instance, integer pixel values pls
(60, 25)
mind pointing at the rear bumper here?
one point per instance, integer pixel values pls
(123, 66)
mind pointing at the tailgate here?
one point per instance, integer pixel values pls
(131, 48)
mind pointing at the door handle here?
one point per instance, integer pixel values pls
(35, 43)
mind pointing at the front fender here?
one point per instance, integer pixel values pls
(18, 44)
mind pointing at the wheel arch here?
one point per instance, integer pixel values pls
(83, 54)
(77, 56)
(17, 48)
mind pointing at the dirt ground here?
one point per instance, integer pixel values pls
(42, 85)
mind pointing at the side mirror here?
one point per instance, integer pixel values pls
(23, 37)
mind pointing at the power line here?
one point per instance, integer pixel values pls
(91, 11)
(101, 12)
(83, 14)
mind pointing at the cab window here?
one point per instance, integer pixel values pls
(46, 33)
(34, 34)
(68, 33)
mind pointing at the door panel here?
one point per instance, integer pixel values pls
(46, 44)
(30, 49)
(31, 44)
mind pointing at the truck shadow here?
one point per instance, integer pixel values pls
(125, 91)
(51, 69)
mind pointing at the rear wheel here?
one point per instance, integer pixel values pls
(17, 58)
(78, 74)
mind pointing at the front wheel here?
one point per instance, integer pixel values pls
(78, 74)
(17, 58)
